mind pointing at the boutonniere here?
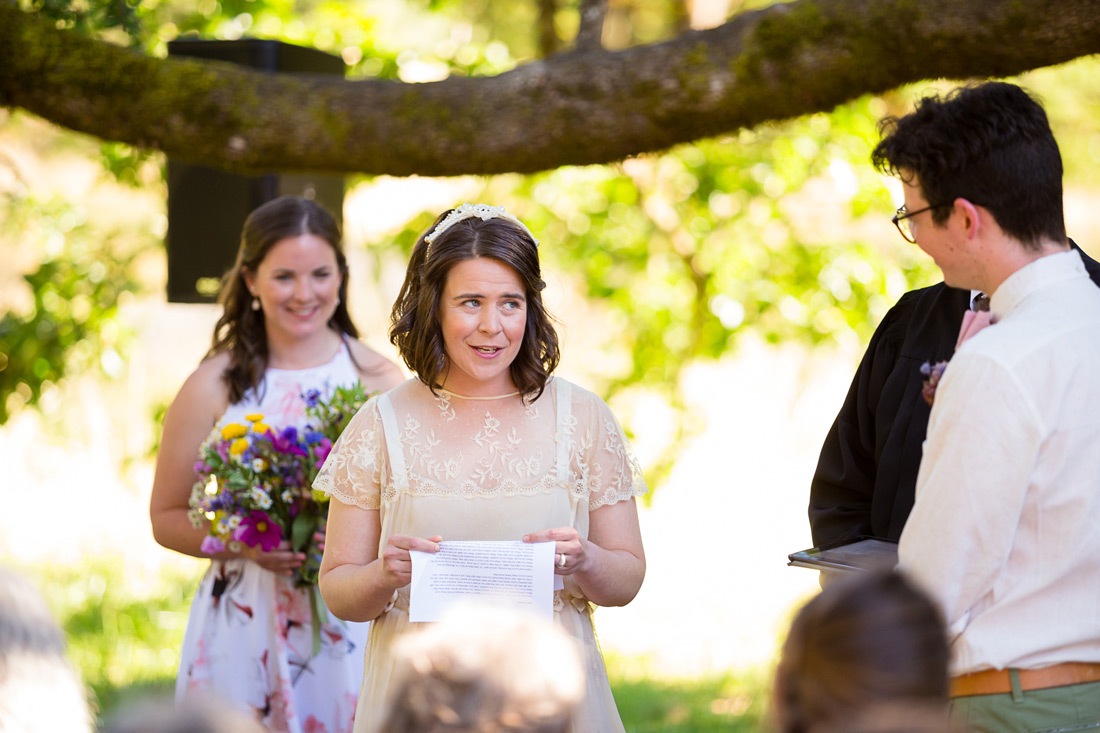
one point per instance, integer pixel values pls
(932, 375)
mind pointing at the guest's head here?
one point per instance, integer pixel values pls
(989, 144)
(290, 262)
(39, 690)
(470, 315)
(868, 649)
(484, 669)
(154, 715)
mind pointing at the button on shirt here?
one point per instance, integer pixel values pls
(1005, 531)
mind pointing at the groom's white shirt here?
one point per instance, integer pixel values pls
(1005, 531)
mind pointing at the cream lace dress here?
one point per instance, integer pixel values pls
(476, 469)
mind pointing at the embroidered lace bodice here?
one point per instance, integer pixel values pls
(410, 441)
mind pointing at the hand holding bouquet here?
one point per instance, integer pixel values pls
(254, 481)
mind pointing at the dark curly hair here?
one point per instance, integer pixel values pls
(415, 329)
(989, 143)
(867, 641)
(240, 330)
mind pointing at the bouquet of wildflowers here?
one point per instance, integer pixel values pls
(254, 481)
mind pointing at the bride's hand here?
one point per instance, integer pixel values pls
(396, 560)
(281, 560)
(570, 549)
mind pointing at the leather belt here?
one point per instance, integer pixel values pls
(997, 681)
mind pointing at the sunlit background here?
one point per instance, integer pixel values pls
(718, 295)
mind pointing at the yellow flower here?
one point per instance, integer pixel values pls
(254, 417)
(239, 446)
(319, 496)
(233, 430)
(261, 427)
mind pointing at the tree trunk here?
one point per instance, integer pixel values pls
(574, 108)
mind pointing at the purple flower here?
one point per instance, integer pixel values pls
(211, 545)
(934, 372)
(314, 437)
(322, 450)
(258, 528)
(287, 442)
(312, 397)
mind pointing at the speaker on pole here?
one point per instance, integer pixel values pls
(207, 206)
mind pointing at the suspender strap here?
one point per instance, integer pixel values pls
(393, 443)
(564, 407)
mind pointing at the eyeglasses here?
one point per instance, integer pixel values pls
(901, 221)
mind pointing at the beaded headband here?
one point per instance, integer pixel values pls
(481, 211)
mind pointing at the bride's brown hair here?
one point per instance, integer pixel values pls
(415, 329)
(240, 330)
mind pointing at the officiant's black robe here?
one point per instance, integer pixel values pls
(867, 472)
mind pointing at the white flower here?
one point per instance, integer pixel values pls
(260, 497)
(258, 464)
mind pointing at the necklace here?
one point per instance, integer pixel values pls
(449, 393)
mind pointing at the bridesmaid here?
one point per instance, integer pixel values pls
(285, 329)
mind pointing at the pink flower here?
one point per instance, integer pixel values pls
(259, 529)
(322, 450)
(211, 545)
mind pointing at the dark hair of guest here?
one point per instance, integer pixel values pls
(869, 641)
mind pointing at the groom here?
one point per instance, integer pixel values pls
(1005, 530)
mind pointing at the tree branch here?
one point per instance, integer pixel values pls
(590, 33)
(574, 108)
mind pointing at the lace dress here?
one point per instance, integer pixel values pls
(495, 469)
(249, 637)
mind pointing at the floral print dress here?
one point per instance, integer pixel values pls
(249, 638)
(483, 469)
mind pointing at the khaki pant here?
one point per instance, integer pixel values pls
(1053, 710)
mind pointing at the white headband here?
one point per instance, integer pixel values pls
(481, 211)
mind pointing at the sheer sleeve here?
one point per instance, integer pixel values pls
(353, 470)
(602, 460)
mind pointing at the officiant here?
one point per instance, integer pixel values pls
(484, 444)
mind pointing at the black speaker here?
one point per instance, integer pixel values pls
(207, 206)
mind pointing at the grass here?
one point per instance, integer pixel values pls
(125, 630)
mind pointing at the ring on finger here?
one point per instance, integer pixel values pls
(561, 559)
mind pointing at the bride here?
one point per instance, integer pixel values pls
(483, 445)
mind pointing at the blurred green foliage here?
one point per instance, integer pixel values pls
(69, 323)
(124, 630)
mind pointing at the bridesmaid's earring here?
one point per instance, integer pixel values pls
(255, 303)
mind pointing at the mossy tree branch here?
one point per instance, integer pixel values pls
(575, 107)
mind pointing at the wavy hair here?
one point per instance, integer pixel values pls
(988, 143)
(415, 328)
(868, 642)
(240, 330)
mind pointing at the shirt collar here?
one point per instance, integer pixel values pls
(1041, 273)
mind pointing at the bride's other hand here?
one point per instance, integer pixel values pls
(570, 549)
(608, 566)
(396, 560)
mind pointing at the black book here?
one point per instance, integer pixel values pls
(848, 556)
